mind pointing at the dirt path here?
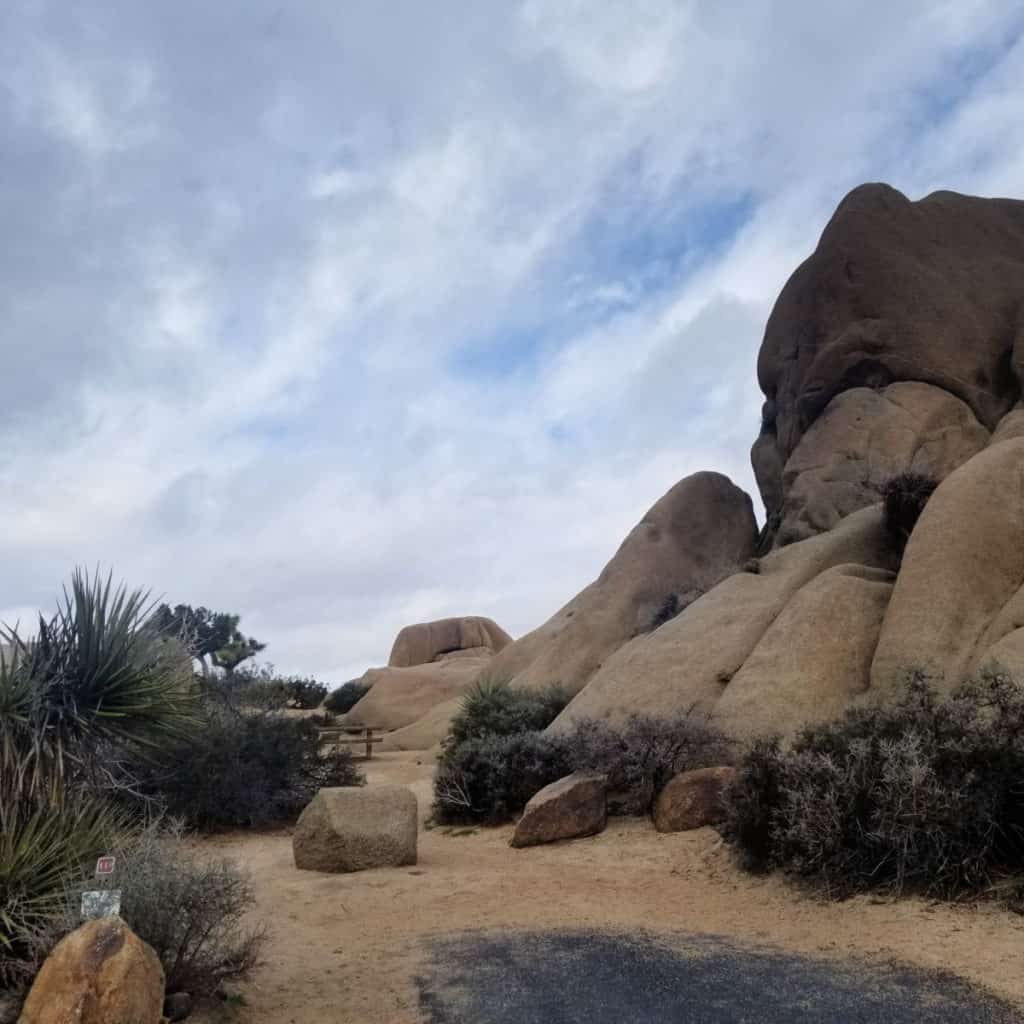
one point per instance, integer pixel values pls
(348, 948)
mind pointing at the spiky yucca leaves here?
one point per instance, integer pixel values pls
(97, 676)
(42, 850)
(96, 679)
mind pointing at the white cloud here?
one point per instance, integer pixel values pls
(343, 320)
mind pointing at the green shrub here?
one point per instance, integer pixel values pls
(41, 849)
(263, 688)
(245, 769)
(95, 677)
(643, 754)
(346, 696)
(925, 795)
(191, 909)
(493, 708)
(905, 497)
(490, 779)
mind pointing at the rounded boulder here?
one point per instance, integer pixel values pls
(353, 828)
(102, 972)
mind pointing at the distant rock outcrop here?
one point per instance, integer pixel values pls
(431, 641)
(431, 663)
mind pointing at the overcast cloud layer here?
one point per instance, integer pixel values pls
(344, 315)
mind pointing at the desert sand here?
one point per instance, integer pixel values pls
(347, 948)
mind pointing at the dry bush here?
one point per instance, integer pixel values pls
(489, 779)
(192, 910)
(640, 756)
(923, 795)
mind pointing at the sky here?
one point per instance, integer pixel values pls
(347, 314)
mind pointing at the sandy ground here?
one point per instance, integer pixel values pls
(347, 948)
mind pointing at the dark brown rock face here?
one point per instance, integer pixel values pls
(896, 291)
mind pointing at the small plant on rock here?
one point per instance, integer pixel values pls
(905, 497)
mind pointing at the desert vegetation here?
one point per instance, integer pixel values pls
(922, 795)
(345, 697)
(110, 743)
(904, 497)
(496, 756)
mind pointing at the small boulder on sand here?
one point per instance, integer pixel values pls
(567, 809)
(102, 972)
(691, 800)
(352, 828)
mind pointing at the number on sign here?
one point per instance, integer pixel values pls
(104, 867)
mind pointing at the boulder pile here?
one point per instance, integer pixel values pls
(897, 347)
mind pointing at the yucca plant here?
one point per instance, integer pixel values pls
(97, 678)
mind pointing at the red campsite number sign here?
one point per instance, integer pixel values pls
(104, 867)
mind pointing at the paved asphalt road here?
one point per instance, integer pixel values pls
(606, 978)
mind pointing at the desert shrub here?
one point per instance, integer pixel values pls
(191, 909)
(489, 779)
(346, 696)
(244, 769)
(641, 755)
(263, 688)
(305, 693)
(924, 794)
(493, 708)
(905, 496)
(96, 677)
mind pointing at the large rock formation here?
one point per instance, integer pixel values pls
(699, 532)
(897, 346)
(692, 661)
(959, 598)
(895, 291)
